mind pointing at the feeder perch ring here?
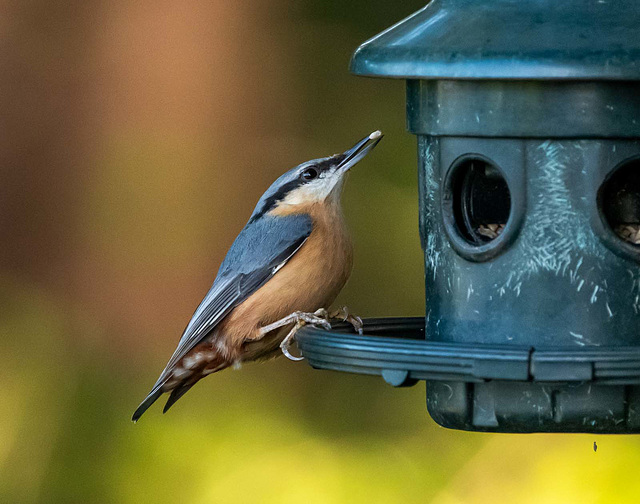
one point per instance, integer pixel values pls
(555, 382)
(395, 347)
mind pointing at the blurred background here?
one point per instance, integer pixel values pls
(135, 139)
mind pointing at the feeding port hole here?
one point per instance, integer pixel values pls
(481, 200)
(619, 201)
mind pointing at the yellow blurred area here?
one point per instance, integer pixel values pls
(135, 139)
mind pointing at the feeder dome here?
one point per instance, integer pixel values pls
(508, 39)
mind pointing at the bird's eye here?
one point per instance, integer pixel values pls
(309, 174)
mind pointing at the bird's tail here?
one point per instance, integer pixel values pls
(148, 401)
(176, 394)
(180, 389)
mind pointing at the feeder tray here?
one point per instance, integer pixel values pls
(541, 388)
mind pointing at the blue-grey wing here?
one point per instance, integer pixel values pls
(260, 249)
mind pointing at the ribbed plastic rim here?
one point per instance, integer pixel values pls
(395, 349)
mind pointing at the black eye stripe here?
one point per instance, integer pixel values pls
(329, 162)
(279, 195)
(318, 167)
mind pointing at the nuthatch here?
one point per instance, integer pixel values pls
(283, 270)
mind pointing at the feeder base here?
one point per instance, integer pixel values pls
(534, 407)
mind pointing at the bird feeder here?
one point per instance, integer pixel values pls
(527, 116)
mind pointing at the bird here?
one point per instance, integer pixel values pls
(284, 269)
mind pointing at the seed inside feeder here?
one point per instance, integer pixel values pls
(629, 232)
(492, 231)
(619, 201)
(481, 201)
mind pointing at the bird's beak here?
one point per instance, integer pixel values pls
(358, 151)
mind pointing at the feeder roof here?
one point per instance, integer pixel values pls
(509, 39)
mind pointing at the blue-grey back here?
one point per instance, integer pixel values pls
(263, 240)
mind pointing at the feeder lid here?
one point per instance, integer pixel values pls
(509, 39)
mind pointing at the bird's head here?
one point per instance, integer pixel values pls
(313, 182)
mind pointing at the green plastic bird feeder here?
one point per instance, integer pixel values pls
(527, 115)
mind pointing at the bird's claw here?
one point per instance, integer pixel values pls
(302, 320)
(286, 343)
(344, 315)
(318, 318)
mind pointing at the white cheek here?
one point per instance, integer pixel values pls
(318, 190)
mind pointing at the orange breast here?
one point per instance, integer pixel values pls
(311, 279)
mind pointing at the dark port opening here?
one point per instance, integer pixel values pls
(619, 201)
(481, 201)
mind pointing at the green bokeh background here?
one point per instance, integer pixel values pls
(135, 139)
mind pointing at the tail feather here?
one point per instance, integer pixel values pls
(180, 389)
(148, 401)
(176, 394)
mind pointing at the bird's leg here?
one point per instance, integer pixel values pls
(344, 315)
(319, 317)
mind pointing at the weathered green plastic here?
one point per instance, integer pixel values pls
(546, 93)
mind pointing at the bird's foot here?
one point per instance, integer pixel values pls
(319, 317)
(299, 319)
(286, 342)
(344, 315)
